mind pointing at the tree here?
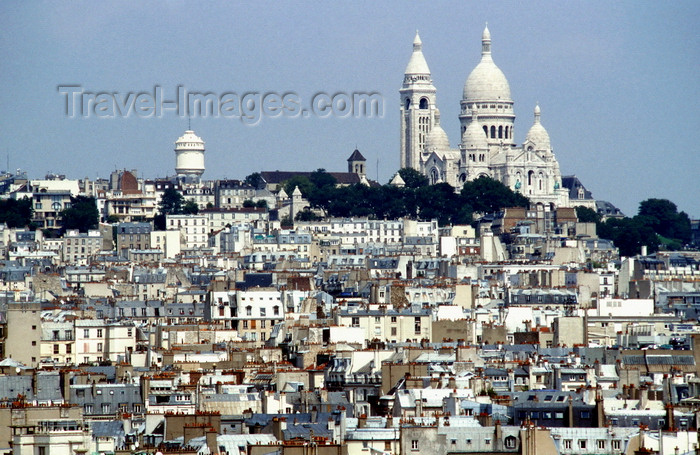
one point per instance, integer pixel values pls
(301, 182)
(16, 213)
(255, 180)
(261, 204)
(190, 208)
(171, 202)
(321, 179)
(488, 195)
(587, 215)
(663, 217)
(412, 178)
(248, 203)
(82, 214)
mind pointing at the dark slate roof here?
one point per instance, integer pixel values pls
(572, 183)
(356, 156)
(303, 430)
(102, 428)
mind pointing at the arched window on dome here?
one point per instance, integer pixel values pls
(486, 130)
(500, 132)
(423, 103)
(529, 177)
(507, 136)
(493, 132)
(462, 177)
(540, 177)
(408, 103)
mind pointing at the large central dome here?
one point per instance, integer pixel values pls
(486, 82)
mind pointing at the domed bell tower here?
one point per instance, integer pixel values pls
(417, 110)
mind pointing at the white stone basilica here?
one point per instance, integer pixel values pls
(487, 146)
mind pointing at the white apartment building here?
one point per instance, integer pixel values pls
(193, 229)
(97, 340)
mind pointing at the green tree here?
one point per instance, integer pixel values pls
(488, 195)
(16, 213)
(306, 215)
(321, 179)
(190, 208)
(629, 235)
(663, 217)
(301, 182)
(82, 214)
(261, 204)
(248, 203)
(255, 180)
(171, 202)
(587, 215)
(412, 178)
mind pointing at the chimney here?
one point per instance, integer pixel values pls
(65, 385)
(362, 421)
(670, 425)
(497, 435)
(211, 441)
(279, 425)
(643, 398)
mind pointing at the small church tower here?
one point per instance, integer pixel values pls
(356, 163)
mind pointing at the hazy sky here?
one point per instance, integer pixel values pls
(617, 83)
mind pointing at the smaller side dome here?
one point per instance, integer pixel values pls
(437, 137)
(537, 134)
(474, 136)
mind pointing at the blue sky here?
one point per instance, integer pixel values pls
(617, 83)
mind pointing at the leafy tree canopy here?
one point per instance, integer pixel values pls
(488, 195)
(82, 214)
(587, 215)
(16, 213)
(171, 202)
(412, 178)
(255, 180)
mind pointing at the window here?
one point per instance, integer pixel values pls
(248, 311)
(487, 441)
(55, 349)
(263, 312)
(99, 347)
(567, 443)
(414, 444)
(99, 333)
(69, 349)
(511, 442)
(582, 443)
(355, 321)
(88, 409)
(33, 343)
(106, 408)
(616, 444)
(601, 444)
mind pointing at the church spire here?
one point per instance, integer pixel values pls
(486, 41)
(417, 64)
